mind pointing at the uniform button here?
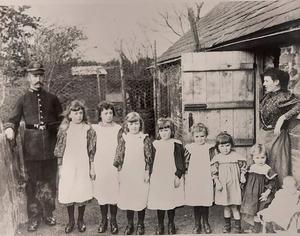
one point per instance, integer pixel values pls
(42, 117)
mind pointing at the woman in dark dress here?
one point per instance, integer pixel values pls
(276, 108)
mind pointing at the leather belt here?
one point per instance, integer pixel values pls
(37, 126)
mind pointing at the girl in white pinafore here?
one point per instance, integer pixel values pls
(166, 184)
(199, 191)
(133, 160)
(106, 185)
(75, 149)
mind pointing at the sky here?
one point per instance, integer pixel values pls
(108, 22)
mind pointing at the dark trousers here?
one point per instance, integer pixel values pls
(41, 187)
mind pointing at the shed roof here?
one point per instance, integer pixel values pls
(234, 20)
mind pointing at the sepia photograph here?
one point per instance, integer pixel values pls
(149, 117)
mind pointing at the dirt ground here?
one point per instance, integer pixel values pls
(184, 221)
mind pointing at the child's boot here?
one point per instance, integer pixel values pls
(80, 223)
(70, 226)
(257, 227)
(113, 221)
(206, 226)
(171, 225)
(129, 229)
(103, 224)
(160, 227)
(197, 228)
(270, 228)
(171, 228)
(197, 215)
(140, 229)
(237, 227)
(114, 226)
(227, 226)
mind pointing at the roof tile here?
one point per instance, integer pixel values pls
(229, 21)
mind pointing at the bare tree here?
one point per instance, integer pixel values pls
(57, 47)
(176, 19)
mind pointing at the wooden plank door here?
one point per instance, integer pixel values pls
(219, 90)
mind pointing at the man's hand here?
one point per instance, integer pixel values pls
(9, 133)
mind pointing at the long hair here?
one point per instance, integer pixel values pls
(74, 105)
(164, 122)
(131, 118)
(105, 105)
(223, 138)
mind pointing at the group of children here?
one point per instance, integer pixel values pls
(122, 168)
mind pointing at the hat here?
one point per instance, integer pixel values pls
(35, 67)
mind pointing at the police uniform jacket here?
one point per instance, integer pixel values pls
(41, 112)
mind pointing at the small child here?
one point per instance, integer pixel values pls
(75, 149)
(106, 185)
(228, 169)
(260, 187)
(166, 185)
(198, 183)
(283, 207)
(133, 160)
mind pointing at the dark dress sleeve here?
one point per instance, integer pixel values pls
(214, 168)
(271, 181)
(120, 153)
(187, 157)
(243, 166)
(292, 105)
(179, 159)
(153, 158)
(148, 153)
(60, 146)
(91, 143)
(212, 152)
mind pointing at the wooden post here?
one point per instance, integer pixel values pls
(99, 86)
(193, 25)
(155, 84)
(123, 84)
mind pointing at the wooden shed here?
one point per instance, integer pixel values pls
(218, 82)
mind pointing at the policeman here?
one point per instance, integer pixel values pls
(41, 112)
